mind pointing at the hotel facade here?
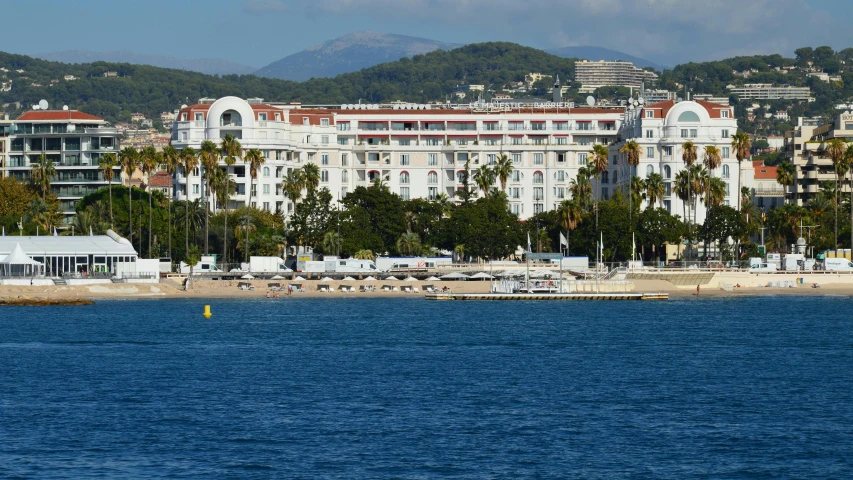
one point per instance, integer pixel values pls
(418, 151)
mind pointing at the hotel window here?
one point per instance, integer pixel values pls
(432, 159)
(561, 157)
(404, 159)
(199, 116)
(537, 125)
(693, 133)
(538, 208)
(266, 172)
(432, 178)
(517, 176)
(724, 113)
(372, 157)
(404, 193)
(538, 159)
(605, 193)
(490, 158)
(344, 159)
(650, 114)
(725, 133)
(324, 122)
(725, 171)
(615, 176)
(343, 126)
(605, 177)
(667, 151)
(491, 125)
(517, 140)
(516, 208)
(344, 176)
(516, 192)
(277, 117)
(650, 134)
(667, 172)
(195, 188)
(650, 170)
(584, 140)
(254, 190)
(650, 152)
(667, 204)
(516, 125)
(184, 117)
(726, 152)
(494, 141)
(266, 189)
(461, 157)
(538, 193)
(561, 140)
(667, 189)
(516, 158)
(311, 156)
(561, 125)
(585, 126)
(324, 159)
(582, 158)
(324, 139)
(262, 117)
(433, 141)
(460, 176)
(304, 120)
(404, 142)
(560, 192)
(404, 178)
(537, 178)
(324, 176)
(461, 141)
(560, 175)
(432, 193)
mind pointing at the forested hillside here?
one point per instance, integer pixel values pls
(152, 90)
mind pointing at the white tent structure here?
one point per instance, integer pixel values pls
(410, 279)
(481, 276)
(104, 254)
(247, 276)
(454, 276)
(391, 278)
(348, 279)
(19, 264)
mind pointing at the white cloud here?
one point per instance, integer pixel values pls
(669, 31)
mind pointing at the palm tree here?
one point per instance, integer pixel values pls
(409, 244)
(598, 162)
(581, 187)
(311, 174)
(571, 215)
(711, 160)
(331, 242)
(716, 192)
(503, 169)
(171, 158)
(231, 149)
(484, 177)
(108, 164)
(188, 162)
(682, 188)
(364, 255)
(255, 159)
(129, 158)
(631, 149)
(848, 160)
(836, 148)
(209, 159)
(689, 157)
(223, 187)
(655, 189)
(785, 174)
(42, 174)
(637, 187)
(741, 145)
(150, 162)
(292, 184)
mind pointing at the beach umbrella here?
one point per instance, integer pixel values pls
(326, 279)
(432, 279)
(299, 278)
(276, 277)
(544, 274)
(348, 279)
(481, 276)
(369, 279)
(454, 276)
(247, 276)
(410, 279)
(392, 278)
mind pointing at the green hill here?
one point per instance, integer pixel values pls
(151, 90)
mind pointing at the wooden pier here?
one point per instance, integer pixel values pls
(550, 296)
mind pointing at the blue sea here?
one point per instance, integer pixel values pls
(406, 388)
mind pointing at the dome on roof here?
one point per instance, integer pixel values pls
(687, 111)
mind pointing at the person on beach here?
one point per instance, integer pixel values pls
(268, 294)
(697, 290)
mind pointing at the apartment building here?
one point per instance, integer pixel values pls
(5, 129)
(660, 130)
(603, 73)
(805, 147)
(74, 141)
(767, 91)
(418, 151)
(767, 192)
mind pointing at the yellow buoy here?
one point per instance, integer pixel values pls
(207, 313)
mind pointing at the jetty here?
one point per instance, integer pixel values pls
(44, 302)
(550, 296)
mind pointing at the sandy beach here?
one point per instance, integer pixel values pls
(228, 289)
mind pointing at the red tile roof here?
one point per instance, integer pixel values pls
(57, 115)
(765, 173)
(161, 179)
(713, 109)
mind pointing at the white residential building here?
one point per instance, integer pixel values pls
(767, 91)
(418, 152)
(603, 73)
(660, 130)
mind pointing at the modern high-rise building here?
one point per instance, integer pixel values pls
(767, 91)
(603, 73)
(418, 151)
(73, 141)
(805, 148)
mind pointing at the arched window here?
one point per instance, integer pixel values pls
(667, 172)
(432, 178)
(605, 177)
(266, 172)
(373, 175)
(725, 171)
(344, 176)
(688, 116)
(650, 170)
(615, 176)
(324, 176)
(404, 178)
(230, 118)
(537, 177)
(460, 176)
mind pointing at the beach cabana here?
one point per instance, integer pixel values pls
(369, 279)
(410, 279)
(391, 278)
(454, 276)
(481, 276)
(348, 279)
(247, 276)
(19, 264)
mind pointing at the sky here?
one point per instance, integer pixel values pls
(258, 32)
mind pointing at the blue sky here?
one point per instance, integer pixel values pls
(257, 32)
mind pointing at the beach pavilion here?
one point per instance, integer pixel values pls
(72, 255)
(18, 264)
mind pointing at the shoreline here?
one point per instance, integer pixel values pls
(213, 289)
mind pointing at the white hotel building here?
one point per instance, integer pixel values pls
(660, 130)
(415, 152)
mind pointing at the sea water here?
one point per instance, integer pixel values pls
(407, 388)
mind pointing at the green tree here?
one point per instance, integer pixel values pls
(43, 172)
(209, 158)
(255, 160)
(171, 160)
(188, 162)
(312, 218)
(129, 159)
(311, 175)
(150, 160)
(107, 164)
(836, 148)
(655, 189)
(503, 170)
(741, 146)
(689, 157)
(571, 215)
(632, 151)
(484, 177)
(786, 174)
(598, 164)
(409, 244)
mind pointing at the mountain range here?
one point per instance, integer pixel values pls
(349, 53)
(210, 66)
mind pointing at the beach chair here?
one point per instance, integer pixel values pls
(362, 288)
(415, 290)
